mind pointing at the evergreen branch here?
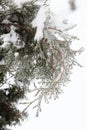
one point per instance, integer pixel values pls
(17, 25)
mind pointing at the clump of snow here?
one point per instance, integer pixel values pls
(11, 36)
(19, 2)
(39, 21)
(2, 62)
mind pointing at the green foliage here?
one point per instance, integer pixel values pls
(10, 94)
(47, 62)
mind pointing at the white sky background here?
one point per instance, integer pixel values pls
(69, 112)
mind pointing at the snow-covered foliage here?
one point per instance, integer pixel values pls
(35, 54)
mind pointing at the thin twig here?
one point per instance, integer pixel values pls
(17, 25)
(30, 103)
(55, 29)
(43, 40)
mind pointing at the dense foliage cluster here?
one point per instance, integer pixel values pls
(19, 19)
(46, 63)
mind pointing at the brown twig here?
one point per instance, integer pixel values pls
(17, 25)
(57, 80)
(51, 59)
(55, 29)
(43, 40)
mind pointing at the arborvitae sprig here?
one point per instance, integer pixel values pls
(46, 63)
(20, 19)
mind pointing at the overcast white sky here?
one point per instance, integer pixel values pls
(69, 112)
